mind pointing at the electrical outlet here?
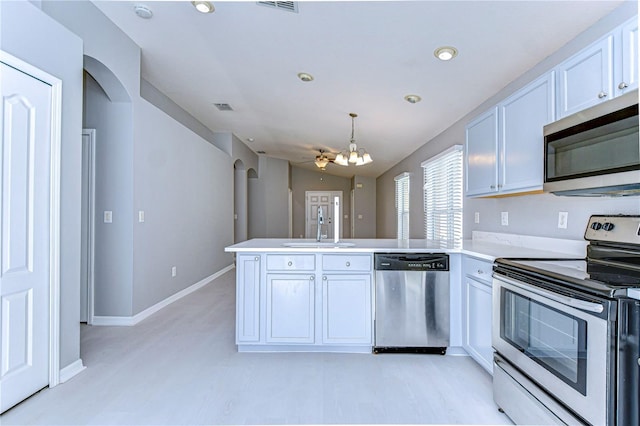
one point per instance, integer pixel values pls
(504, 218)
(108, 216)
(174, 271)
(562, 220)
(476, 217)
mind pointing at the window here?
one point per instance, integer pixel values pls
(402, 205)
(443, 195)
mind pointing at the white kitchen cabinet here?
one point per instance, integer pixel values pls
(290, 310)
(476, 310)
(627, 78)
(481, 154)
(504, 146)
(247, 298)
(586, 78)
(346, 309)
(602, 71)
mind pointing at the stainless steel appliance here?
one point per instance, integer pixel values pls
(595, 152)
(412, 302)
(566, 332)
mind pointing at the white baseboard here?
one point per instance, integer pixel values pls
(71, 370)
(129, 321)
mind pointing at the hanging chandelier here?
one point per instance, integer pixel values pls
(353, 155)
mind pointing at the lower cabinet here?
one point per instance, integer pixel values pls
(477, 306)
(304, 302)
(346, 309)
(290, 313)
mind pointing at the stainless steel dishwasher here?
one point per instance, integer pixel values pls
(412, 302)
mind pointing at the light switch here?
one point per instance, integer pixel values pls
(359, 216)
(562, 219)
(476, 217)
(108, 216)
(141, 216)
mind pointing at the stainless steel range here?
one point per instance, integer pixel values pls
(566, 332)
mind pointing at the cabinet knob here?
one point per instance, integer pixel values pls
(289, 263)
(324, 277)
(257, 258)
(480, 272)
(492, 187)
(348, 264)
(622, 85)
(312, 277)
(602, 95)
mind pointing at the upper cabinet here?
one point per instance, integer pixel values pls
(602, 71)
(504, 145)
(628, 79)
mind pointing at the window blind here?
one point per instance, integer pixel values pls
(443, 196)
(402, 205)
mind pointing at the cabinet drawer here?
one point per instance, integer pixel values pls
(291, 262)
(344, 263)
(478, 269)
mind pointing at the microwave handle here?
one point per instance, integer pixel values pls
(565, 300)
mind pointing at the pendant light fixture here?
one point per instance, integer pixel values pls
(353, 155)
(322, 160)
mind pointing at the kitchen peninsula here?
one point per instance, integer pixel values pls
(302, 295)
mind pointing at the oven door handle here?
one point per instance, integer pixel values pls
(565, 300)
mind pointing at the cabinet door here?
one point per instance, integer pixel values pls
(247, 298)
(481, 147)
(290, 308)
(586, 78)
(477, 321)
(521, 140)
(346, 311)
(629, 59)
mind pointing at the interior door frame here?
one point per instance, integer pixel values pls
(54, 207)
(91, 221)
(333, 194)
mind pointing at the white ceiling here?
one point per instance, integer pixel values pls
(365, 57)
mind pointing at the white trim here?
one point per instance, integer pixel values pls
(130, 321)
(71, 370)
(91, 231)
(402, 176)
(441, 154)
(54, 208)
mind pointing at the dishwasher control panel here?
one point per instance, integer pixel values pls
(411, 262)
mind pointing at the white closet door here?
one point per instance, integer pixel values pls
(25, 163)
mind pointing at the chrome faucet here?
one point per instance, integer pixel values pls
(320, 223)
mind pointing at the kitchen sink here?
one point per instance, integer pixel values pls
(301, 244)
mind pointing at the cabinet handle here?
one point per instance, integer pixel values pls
(622, 85)
(602, 95)
(348, 264)
(480, 272)
(492, 187)
(289, 263)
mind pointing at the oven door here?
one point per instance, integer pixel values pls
(560, 342)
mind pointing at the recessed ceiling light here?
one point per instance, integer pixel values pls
(203, 6)
(412, 99)
(305, 77)
(446, 53)
(143, 11)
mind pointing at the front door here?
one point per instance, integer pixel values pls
(324, 199)
(25, 166)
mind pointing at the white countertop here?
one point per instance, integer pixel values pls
(486, 246)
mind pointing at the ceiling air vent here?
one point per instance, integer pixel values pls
(223, 107)
(289, 6)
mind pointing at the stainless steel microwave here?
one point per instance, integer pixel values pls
(595, 152)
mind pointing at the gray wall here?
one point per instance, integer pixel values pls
(183, 182)
(113, 191)
(529, 214)
(268, 196)
(364, 221)
(32, 36)
(306, 180)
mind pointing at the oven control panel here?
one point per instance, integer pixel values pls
(617, 229)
